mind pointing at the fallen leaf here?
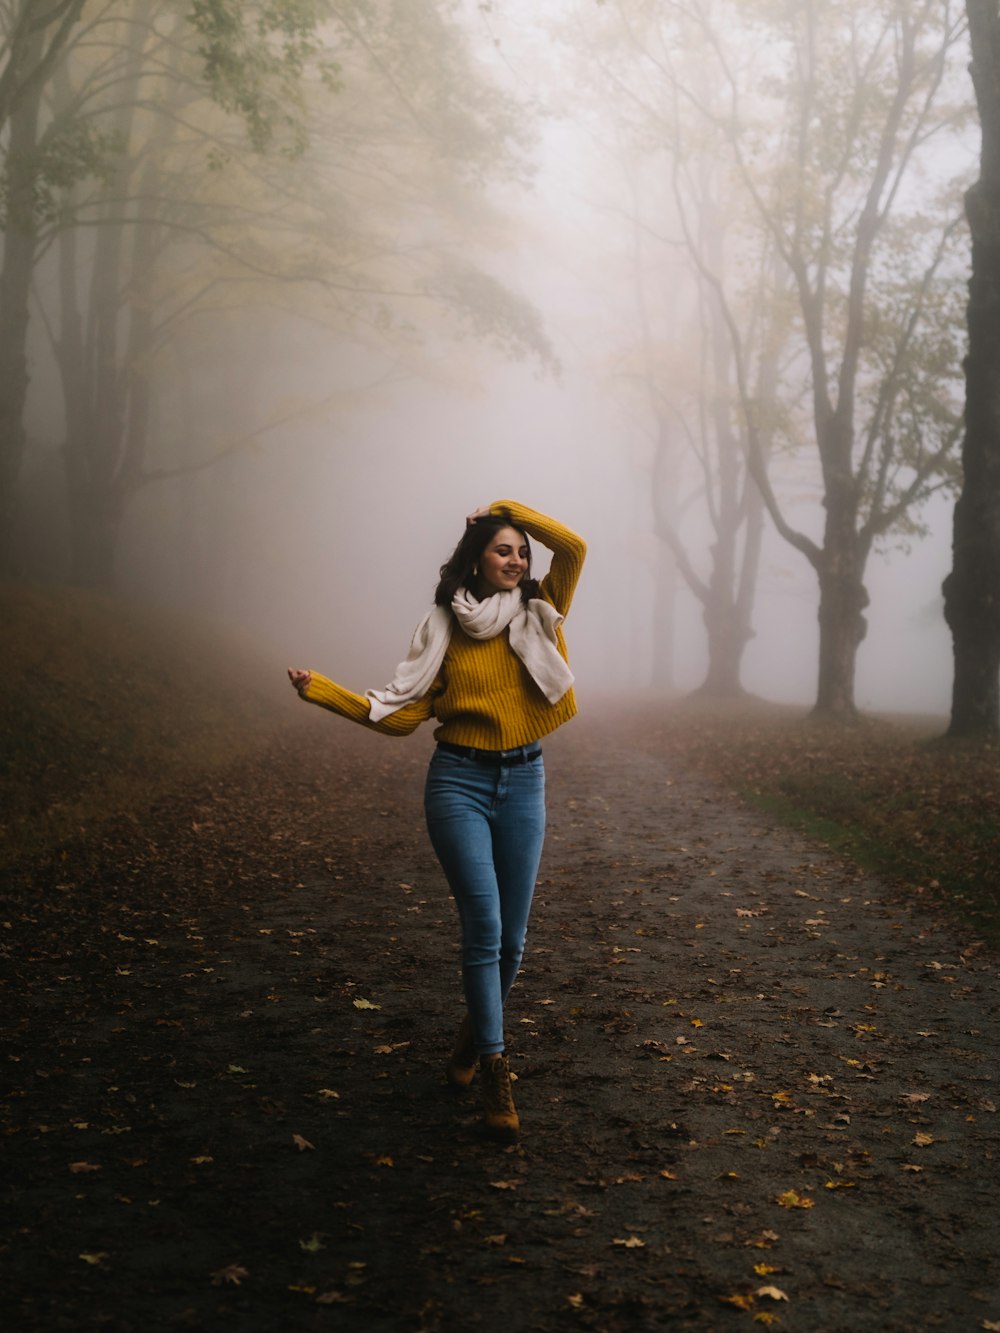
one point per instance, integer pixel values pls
(78, 1168)
(500, 1239)
(236, 1069)
(327, 1094)
(95, 1257)
(575, 1302)
(629, 1242)
(331, 1298)
(313, 1245)
(302, 1143)
(382, 1160)
(366, 1004)
(772, 1293)
(201, 1161)
(743, 1300)
(923, 1140)
(840, 1185)
(504, 1184)
(234, 1273)
(791, 1199)
(668, 1175)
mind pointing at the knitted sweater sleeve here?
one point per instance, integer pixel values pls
(568, 550)
(328, 694)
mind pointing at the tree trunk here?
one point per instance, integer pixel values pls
(727, 639)
(843, 599)
(19, 250)
(972, 589)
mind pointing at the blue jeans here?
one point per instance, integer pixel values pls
(487, 826)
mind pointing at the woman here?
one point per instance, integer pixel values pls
(489, 663)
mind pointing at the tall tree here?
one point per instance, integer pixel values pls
(972, 589)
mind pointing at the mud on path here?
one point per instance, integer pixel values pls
(756, 1087)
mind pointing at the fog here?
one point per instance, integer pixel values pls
(318, 460)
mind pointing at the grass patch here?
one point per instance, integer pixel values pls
(888, 793)
(108, 705)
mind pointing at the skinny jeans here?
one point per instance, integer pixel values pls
(486, 820)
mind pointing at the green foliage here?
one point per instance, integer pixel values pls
(255, 58)
(70, 152)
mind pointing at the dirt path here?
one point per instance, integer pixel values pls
(756, 1088)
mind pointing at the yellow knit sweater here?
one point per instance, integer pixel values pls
(483, 694)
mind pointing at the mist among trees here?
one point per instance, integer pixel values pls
(286, 288)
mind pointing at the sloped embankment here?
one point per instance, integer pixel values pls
(107, 705)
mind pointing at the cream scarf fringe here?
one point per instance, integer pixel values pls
(532, 637)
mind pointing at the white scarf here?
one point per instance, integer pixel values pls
(532, 637)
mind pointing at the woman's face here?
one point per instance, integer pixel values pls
(504, 563)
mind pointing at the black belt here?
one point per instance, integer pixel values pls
(524, 754)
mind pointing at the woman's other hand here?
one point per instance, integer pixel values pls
(481, 512)
(300, 679)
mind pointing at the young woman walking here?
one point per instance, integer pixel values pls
(489, 663)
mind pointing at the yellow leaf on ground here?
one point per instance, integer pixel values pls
(668, 1175)
(742, 1300)
(301, 1143)
(772, 1293)
(923, 1140)
(94, 1257)
(504, 1184)
(791, 1199)
(327, 1094)
(629, 1242)
(366, 1004)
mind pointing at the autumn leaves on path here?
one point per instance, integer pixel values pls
(756, 1088)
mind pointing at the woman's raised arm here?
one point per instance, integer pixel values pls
(568, 550)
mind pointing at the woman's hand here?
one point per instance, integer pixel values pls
(300, 679)
(481, 512)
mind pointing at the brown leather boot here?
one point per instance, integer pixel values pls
(499, 1117)
(462, 1061)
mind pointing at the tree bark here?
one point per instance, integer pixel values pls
(972, 589)
(843, 597)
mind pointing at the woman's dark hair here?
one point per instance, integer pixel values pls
(457, 571)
